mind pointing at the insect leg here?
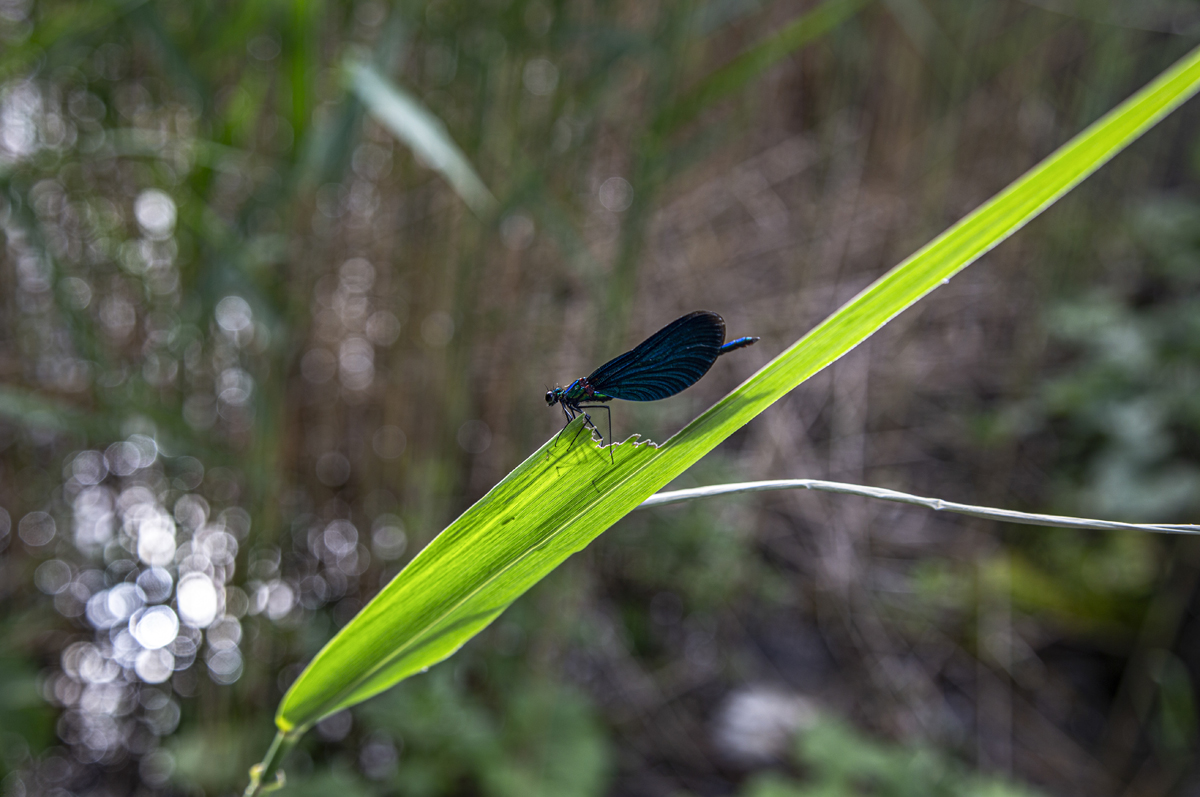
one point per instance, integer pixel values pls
(611, 456)
(587, 422)
(570, 416)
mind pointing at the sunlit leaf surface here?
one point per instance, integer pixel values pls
(563, 497)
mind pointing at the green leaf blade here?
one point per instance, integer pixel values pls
(564, 496)
(422, 131)
(748, 66)
(499, 548)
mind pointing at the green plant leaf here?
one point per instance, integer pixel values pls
(424, 133)
(733, 76)
(563, 497)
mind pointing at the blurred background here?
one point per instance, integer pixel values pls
(255, 351)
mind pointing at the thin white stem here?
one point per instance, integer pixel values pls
(937, 504)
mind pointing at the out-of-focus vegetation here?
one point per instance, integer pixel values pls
(254, 353)
(841, 761)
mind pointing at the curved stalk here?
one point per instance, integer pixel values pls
(936, 504)
(266, 776)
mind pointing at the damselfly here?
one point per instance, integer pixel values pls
(670, 360)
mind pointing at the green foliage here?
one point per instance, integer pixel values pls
(26, 722)
(1123, 414)
(195, 750)
(341, 781)
(842, 762)
(750, 65)
(533, 738)
(1128, 410)
(704, 556)
(1177, 733)
(423, 132)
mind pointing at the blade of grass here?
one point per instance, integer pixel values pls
(749, 65)
(559, 500)
(423, 132)
(936, 504)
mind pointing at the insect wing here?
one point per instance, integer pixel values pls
(667, 362)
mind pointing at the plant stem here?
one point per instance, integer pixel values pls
(937, 504)
(266, 776)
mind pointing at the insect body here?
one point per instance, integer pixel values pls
(670, 360)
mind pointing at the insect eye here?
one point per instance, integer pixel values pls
(550, 397)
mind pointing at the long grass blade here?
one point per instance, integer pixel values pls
(564, 496)
(424, 133)
(732, 77)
